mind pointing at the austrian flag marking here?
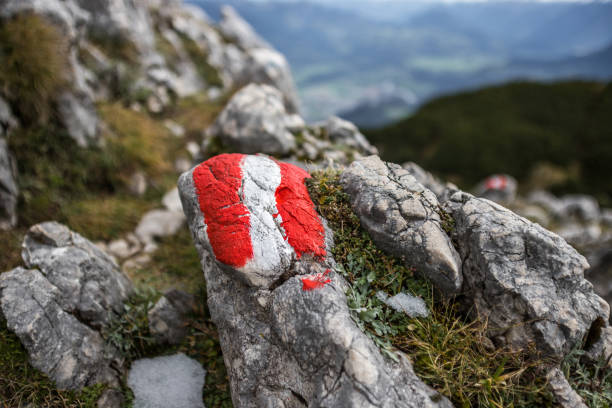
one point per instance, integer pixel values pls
(257, 212)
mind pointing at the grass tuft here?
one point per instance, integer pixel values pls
(593, 382)
(34, 55)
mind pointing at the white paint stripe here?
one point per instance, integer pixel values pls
(261, 177)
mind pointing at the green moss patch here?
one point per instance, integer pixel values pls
(448, 352)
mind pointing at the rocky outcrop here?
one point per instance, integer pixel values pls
(255, 121)
(526, 281)
(403, 218)
(8, 184)
(500, 188)
(345, 133)
(92, 285)
(428, 180)
(236, 29)
(56, 307)
(284, 324)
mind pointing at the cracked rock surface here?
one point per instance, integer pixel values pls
(91, 283)
(403, 219)
(526, 280)
(293, 343)
(255, 121)
(57, 306)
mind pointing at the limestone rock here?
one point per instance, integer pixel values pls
(8, 188)
(404, 303)
(8, 122)
(268, 66)
(428, 180)
(90, 284)
(500, 188)
(236, 29)
(68, 351)
(158, 223)
(564, 394)
(284, 324)
(167, 320)
(345, 133)
(527, 281)
(255, 121)
(78, 114)
(403, 219)
(174, 381)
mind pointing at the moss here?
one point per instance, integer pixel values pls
(22, 385)
(34, 56)
(447, 350)
(199, 57)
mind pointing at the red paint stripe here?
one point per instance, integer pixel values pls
(496, 183)
(312, 282)
(301, 223)
(217, 182)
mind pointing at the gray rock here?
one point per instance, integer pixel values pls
(284, 345)
(91, 285)
(268, 66)
(579, 207)
(236, 29)
(167, 382)
(8, 122)
(255, 121)
(78, 114)
(526, 281)
(402, 302)
(346, 133)
(166, 323)
(403, 219)
(564, 393)
(428, 180)
(8, 188)
(72, 354)
(500, 188)
(158, 223)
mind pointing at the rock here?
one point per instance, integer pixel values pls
(110, 398)
(175, 129)
(579, 207)
(172, 200)
(79, 116)
(138, 184)
(8, 188)
(174, 381)
(606, 217)
(580, 235)
(193, 149)
(166, 323)
(90, 283)
(236, 29)
(182, 164)
(269, 67)
(72, 354)
(402, 302)
(255, 121)
(402, 217)
(564, 393)
(345, 133)
(428, 180)
(8, 122)
(500, 188)
(526, 281)
(158, 224)
(123, 248)
(284, 324)
(601, 351)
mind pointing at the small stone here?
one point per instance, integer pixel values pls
(158, 224)
(564, 393)
(174, 128)
(174, 381)
(166, 323)
(402, 302)
(138, 184)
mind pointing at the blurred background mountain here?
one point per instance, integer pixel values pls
(373, 62)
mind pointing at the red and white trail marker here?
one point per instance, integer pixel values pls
(258, 214)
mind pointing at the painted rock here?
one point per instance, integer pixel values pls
(254, 214)
(500, 188)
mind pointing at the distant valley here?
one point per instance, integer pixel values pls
(375, 62)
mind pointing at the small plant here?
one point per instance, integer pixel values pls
(592, 381)
(34, 61)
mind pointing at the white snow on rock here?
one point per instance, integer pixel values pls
(167, 382)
